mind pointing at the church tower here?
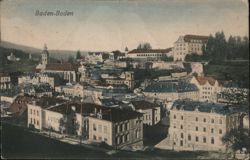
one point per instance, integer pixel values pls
(45, 55)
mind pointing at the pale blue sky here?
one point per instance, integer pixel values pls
(110, 25)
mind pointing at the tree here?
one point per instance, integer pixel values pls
(144, 46)
(167, 59)
(78, 54)
(71, 59)
(193, 57)
(235, 96)
(236, 139)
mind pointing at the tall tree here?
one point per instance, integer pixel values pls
(78, 54)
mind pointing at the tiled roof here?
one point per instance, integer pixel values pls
(109, 114)
(144, 105)
(171, 87)
(60, 67)
(202, 80)
(189, 105)
(150, 51)
(189, 37)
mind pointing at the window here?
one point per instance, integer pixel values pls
(181, 117)
(204, 129)
(94, 137)
(181, 127)
(181, 143)
(105, 130)
(196, 119)
(189, 137)
(204, 140)
(30, 120)
(220, 131)
(94, 127)
(30, 111)
(120, 127)
(196, 128)
(174, 116)
(212, 120)
(117, 140)
(117, 128)
(181, 135)
(204, 120)
(37, 112)
(212, 140)
(197, 139)
(37, 122)
(105, 139)
(212, 130)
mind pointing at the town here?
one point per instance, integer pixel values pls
(131, 100)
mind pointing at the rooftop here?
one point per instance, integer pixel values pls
(202, 80)
(189, 105)
(144, 105)
(166, 86)
(60, 67)
(189, 37)
(151, 50)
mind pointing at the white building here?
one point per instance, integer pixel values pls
(188, 44)
(36, 79)
(199, 126)
(118, 128)
(149, 53)
(208, 88)
(5, 82)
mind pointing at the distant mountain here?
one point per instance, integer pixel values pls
(59, 54)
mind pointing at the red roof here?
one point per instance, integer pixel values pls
(150, 50)
(189, 37)
(60, 66)
(203, 80)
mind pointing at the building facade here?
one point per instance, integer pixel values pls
(208, 88)
(149, 53)
(188, 44)
(5, 81)
(200, 125)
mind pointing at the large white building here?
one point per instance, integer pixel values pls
(208, 88)
(118, 128)
(188, 44)
(199, 126)
(149, 53)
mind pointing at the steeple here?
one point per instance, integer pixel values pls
(45, 55)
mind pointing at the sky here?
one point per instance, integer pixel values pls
(105, 25)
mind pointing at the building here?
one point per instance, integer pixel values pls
(36, 78)
(149, 53)
(39, 90)
(66, 71)
(171, 90)
(208, 88)
(5, 81)
(117, 128)
(151, 112)
(75, 90)
(45, 56)
(126, 78)
(96, 57)
(188, 44)
(199, 126)
(12, 57)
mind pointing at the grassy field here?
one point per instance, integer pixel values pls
(24, 65)
(19, 143)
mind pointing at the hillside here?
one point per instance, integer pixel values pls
(58, 54)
